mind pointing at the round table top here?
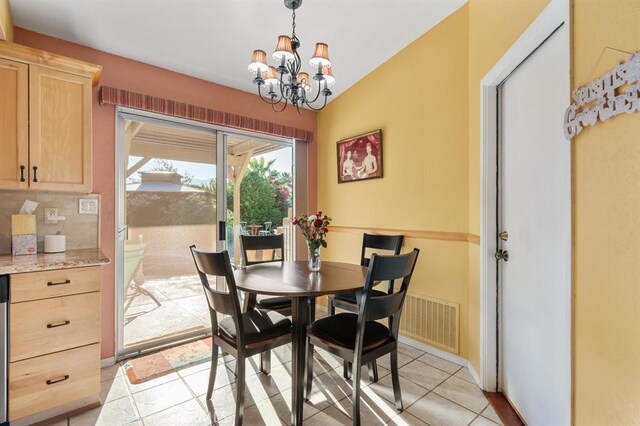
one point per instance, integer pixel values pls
(294, 279)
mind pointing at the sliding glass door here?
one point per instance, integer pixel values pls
(182, 183)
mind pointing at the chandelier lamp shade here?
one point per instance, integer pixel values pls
(286, 83)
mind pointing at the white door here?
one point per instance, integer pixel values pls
(534, 207)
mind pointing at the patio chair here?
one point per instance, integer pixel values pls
(133, 278)
(348, 301)
(359, 338)
(239, 334)
(266, 243)
(267, 229)
(243, 228)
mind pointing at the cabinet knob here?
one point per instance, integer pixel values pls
(35, 173)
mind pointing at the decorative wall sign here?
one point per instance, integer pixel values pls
(607, 95)
(360, 157)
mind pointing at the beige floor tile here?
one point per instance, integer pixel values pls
(364, 374)
(481, 421)
(409, 351)
(116, 413)
(261, 414)
(374, 409)
(491, 414)
(464, 393)
(282, 404)
(439, 363)
(188, 413)
(384, 361)
(264, 386)
(464, 374)
(110, 372)
(411, 392)
(437, 411)
(199, 382)
(161, 397)
(195, 368)
(223, 402)
(113, 389)
(329, 417)
(406, 419)
(423, 374)
(327, 358)
(332, 385)
(160, 380)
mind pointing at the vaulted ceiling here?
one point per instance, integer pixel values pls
(213, 39)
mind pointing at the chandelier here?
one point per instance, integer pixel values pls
(286, 84)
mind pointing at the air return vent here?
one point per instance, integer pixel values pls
(433, 321)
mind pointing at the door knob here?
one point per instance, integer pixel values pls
(504, 235)
(502, 255)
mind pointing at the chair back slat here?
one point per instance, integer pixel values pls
(392, 243)
(217, 265)
(262, 242)
(384, 268)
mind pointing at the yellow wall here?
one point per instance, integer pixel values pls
(494, 25)
(6, 21)
(419, 100)
(606, 165)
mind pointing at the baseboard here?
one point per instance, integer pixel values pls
(474, 374)
(434, 351)
(107, 362)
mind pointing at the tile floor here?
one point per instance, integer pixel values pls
(434, 391)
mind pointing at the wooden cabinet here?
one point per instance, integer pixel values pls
(60, 130)
(45, 134)
(54, 342)
(14, 125)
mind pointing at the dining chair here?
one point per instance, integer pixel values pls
(359, 338)
(240, 334)
(264, 243)
(347, 301)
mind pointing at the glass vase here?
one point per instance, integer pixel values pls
(314, 257)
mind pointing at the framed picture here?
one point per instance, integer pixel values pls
(360, 157)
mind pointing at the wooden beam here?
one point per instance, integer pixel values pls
(6, 21)
(138, 165)
(136, 126)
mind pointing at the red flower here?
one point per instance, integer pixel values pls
(317, 223)
(295, 221)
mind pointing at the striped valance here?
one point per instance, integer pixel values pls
(113, 96)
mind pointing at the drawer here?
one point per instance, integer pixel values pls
(51, 325)
(49, 381)
(47, 284)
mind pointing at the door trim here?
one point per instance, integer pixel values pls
(556, 14)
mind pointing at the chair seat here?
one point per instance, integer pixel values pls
(258, 325)
(341, 329)
(274, 302)
(351, 297)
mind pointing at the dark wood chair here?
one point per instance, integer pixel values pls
(240, 334)
(265, 243)
(359, 338)
(347, 301)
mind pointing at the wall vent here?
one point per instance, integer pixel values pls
(434, 321)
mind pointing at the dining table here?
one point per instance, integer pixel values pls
(293, 279)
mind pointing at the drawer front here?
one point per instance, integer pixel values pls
(45, 382)
(51, 325)
(47, 284)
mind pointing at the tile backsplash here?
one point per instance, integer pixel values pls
(82, 230)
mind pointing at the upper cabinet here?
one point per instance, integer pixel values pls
(60, 130)
(14, 125)
(45, 133)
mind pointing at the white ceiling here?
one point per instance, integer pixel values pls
(213, 39)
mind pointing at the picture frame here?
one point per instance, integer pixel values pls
(360, 157)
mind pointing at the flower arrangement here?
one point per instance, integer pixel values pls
(314, 229)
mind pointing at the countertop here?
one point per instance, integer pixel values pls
(50, 261)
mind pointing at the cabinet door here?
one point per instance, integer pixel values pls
(60, 130)
(14, 122)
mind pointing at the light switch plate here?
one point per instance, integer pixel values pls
(88, 206)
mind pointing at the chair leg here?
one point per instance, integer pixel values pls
(396, 380)
(265, 361)
(346, 370)
(214, 369)
(240, 385)
(355, 395)
(309, 382)
(331, 307)
(373, 371)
